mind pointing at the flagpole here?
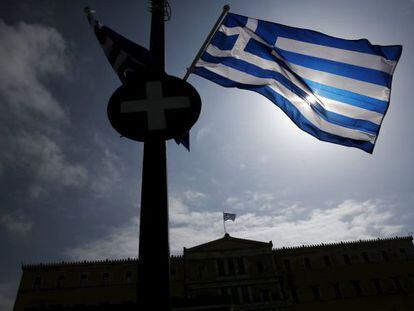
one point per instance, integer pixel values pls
(153, 290)
(213, 31)
(224, 224)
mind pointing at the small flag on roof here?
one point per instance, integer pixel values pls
(334, 89)
(229, 216)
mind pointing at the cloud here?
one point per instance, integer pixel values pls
(118, 243)
(349, 220)
(15, 224)
(32, 135)
(108, 177)
(201, 134)
(7, 290)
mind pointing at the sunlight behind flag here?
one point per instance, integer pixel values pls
(334, 89)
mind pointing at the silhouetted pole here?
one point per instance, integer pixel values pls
(154, 253)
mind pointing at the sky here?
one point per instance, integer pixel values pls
(70, 186)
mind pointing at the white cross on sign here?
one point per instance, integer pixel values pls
(155, 105)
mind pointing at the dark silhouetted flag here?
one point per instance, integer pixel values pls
(335, 89)
(229, 216)
(126, 57)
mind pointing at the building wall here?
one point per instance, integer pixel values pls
(362, 275)
(237, 274)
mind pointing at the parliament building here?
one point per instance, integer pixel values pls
(239, 274)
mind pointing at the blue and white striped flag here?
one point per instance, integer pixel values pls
(335, 89)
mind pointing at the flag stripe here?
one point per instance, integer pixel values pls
(271, 31)
(346, 70)
(344, 83)
(288, 108)
(259, 72)
(335, 54)
(274, 66)
(301, 105)
(350, 110)
(263, 51)
(351, 98)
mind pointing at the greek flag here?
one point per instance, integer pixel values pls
(229, 216)
(334, 89)
(126, 57)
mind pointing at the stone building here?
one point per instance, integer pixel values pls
(239, 274)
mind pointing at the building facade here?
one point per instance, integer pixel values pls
(239, 274)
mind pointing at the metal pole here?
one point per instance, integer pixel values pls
(154, 254)
(216, 26)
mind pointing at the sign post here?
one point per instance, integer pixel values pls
(152, 107)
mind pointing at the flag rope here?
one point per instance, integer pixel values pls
(213, 31)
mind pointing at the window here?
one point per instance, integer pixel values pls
(220, 267)
(200, 271)
(385, 256)
(245, 294)
(240, 266)
(37, 282)
(397, 284)
(307, 263)
(83, 279)
(265, 293)
(60, 280)
(403, 253)
(316, 292)
(366, 257)
(347, 259)
(286, 262)
(357, 288)
(327, 261)
(105, 278)
(378, 286)
(337, 291)
(260, 267)
(235, 295)
(128, 277)
(230, 265)
(294, 294)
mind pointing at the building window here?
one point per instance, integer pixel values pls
(60, 280)
(316, 290)
(105, 278)
(286, 262)
(327, 261)
(337, 291)
(128, 277)
(83, 279)
(200, 271)
(37, 282)
(397, 284)
(357, 288)
(347, 259)
(220, 267)
(378, 286)
(240, 266)
(260, 268)
(235, 295)
(307, 263)
(294, 294)
(265, 295)
(366, 257)
(385, 256)
(245, 294)
(230, 265)
(403, 253)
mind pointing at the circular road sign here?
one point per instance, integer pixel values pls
(164, 108)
